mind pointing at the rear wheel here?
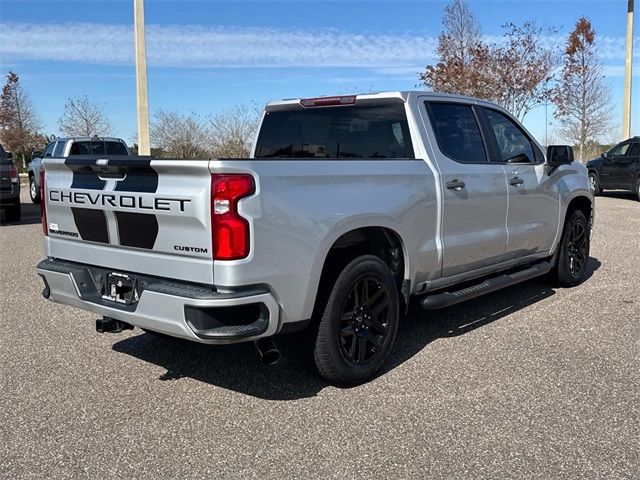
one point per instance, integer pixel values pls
(359, 322)
(574, 251)
(34, 191)
(594, 183)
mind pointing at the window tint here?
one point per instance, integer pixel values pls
(513, 144)
(59, 149)
(619, 150)
(115, 148)
(80, 148)
(336, 132)
(457, 132)
(635, 149)
(49, 150)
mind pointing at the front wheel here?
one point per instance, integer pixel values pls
(574, 251)
(34, 191)
(359, 322)
(638, 188)
(594, 184)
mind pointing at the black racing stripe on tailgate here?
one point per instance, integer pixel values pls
(137, 229)
(91, 224)
(141, 180)
(87, 179)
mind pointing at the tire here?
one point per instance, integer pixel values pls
(594, 183)
(638, 188)
(357, 328)
(573, 257)
(13, 212)
(34, 191)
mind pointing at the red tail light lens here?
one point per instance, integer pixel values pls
(229, 231)
(13, 173)
(43, 205)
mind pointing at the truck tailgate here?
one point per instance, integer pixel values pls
(132, 214)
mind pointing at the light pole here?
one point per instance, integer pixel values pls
(142, 99)
(626, 116)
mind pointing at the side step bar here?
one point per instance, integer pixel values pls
(445, 299)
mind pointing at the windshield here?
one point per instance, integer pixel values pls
(379, 131)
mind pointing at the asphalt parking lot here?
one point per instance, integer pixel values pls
(530, 382)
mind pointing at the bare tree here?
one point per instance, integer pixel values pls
(180, 136)
(83, 118)
(458, 47)
(19, 123)
(232, 132)
(582, 98)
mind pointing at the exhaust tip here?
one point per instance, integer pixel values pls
(269, 353)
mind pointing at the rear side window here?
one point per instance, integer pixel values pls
(379, 131)
(513, 145)
(59, 149)
(457, 132)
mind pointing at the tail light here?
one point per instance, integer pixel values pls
(229, 231)
(43, 205)
(13, 173)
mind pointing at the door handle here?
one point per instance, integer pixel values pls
(516, 182)
(456, 185)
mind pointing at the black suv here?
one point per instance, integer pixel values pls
(617, 169)
(9, 187)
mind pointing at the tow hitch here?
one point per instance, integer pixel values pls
(111, 325)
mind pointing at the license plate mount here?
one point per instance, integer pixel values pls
(121, 288)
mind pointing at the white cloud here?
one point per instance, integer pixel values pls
(225, 47)
(196, 46)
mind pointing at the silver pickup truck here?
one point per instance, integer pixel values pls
(349, 207)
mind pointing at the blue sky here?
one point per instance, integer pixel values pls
(205, 56)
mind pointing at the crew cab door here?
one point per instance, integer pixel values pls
(534, 200)
(474, 191)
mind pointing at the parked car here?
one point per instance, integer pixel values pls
(617, 169)
(348, 207)
(72, 146)
(9, 187)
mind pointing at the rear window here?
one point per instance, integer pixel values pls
(379, 131)
(98, 148)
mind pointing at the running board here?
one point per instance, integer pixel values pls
(445, 299)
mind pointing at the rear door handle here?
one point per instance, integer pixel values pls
(456, 185)
(516, 181)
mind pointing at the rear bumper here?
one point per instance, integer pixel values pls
(188, 311)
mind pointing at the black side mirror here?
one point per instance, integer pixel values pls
(559, 155)
(36, 155)
(604, 154)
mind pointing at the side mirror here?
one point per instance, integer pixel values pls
(604, 154)
(35, 155)
(559, 155)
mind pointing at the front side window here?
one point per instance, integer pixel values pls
(514, 146)
(619, 150)
(353, 131)
(457, 132)
(634, 150)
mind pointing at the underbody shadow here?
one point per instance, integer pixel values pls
(238, 367)
(30, 215)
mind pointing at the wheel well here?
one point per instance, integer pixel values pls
(382, 242)
(30, 174)
(580, 203)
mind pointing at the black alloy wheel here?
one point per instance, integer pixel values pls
(364, 324)
(578, 251)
